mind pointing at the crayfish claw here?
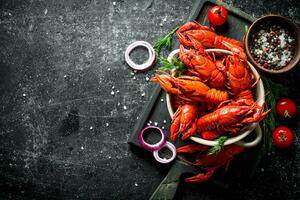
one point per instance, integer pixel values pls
(200, 178)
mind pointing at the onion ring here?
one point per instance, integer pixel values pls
(151, 54)
(156, 130)
(171, 147)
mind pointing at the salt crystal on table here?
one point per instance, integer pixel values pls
(91, 128)
(143, 94)
(134, 78)
(24, 95)
(114, 3)
(162, 100)
(124, 107)
(108, 69)
(155, 123)
(82, 147)
(147, 78)
(165, 121)
(118, 91)
(161, 24)
(113, 87)
(135, 184)
(107, 124)
(112, 93)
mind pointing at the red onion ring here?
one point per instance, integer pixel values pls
(171, 147)
(156, 146)
(145, 65)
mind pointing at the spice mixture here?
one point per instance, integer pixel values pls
(272, 46)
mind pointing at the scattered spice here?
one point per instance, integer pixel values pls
(273, 46)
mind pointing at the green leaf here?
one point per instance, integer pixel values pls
(246, 28)
(175, 65)
(219, 146)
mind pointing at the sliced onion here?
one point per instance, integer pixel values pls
(145, 65)
(156, 146)
(171, 147)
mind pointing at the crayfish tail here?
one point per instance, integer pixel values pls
(216, 96)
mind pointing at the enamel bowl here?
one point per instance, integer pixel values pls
(259, 96)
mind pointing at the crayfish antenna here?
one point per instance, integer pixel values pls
(196, 44)
(189, 26)
(236, 50)
(256, 81)
(183, 40)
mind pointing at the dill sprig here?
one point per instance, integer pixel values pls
(164, 42)
(273, 92)
(174, 66)
(246, 28)
(219, 146)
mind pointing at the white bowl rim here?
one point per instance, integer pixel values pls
(260, 92)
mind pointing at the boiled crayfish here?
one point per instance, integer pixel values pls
(202, 66)
(209, 162)
(231, 117)
(193, 34)
(239, 79)
(190, 88)
(184, 121)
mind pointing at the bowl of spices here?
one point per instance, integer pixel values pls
(272, 44)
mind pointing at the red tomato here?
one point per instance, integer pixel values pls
(217, 15)
(282, 137)
(286, 108)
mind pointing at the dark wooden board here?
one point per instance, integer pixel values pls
(156, 109)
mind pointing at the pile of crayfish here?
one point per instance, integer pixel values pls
(213, 97)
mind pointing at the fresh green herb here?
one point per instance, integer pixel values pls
(219, 146)
(246, 28)
(164, 42)
(175, 65)
(273, 92)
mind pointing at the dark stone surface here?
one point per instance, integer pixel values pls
(63, 135)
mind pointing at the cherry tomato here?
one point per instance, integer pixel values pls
(217, 15)
(282, 137)
(286, 108)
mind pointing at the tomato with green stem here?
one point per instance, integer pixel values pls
(217, 15)
(283, 137)
(286, 108)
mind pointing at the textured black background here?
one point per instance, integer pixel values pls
(63, 135)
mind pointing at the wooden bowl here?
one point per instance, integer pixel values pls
(277, 20)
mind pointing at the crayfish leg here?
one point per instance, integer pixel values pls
(200, 178)
(189, 132)
(191, 148)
